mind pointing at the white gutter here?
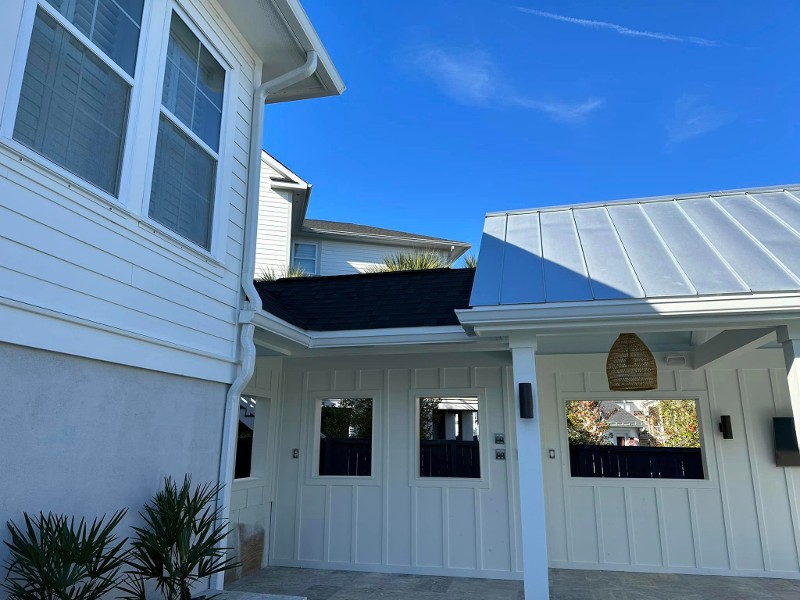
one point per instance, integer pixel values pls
(251, 302)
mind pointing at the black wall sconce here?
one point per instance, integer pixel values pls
(725, 427)
(525, 401)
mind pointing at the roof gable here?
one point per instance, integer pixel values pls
(737, 242)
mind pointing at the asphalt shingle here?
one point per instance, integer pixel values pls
(426, 298)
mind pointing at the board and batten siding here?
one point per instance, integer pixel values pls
(742, 519)
(73, 263)
(394, 521)
(346, 258)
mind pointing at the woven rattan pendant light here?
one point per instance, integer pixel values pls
(630, 366)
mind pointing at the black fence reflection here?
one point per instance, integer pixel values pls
(636, 461)
(345, 456)
(449, 458)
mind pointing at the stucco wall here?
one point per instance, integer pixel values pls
(84, 437)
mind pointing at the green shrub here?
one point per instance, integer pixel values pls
(179, 543)
(51, 558)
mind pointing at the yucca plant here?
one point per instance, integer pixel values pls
(179, 543)
(53, 558)
(412, 261)
(273, 274)
(470, 261)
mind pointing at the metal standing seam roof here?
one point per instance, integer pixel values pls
(736, 242)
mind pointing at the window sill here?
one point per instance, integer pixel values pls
(56, 178)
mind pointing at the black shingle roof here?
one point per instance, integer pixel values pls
(370, 300)
(317, 225)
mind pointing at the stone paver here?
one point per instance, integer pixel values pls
(317, 584)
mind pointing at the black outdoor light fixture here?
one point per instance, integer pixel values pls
(525, 401)
(725, 427)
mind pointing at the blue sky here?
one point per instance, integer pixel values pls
(455, 109)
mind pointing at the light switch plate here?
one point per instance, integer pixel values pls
(500, 438)
(500, 454)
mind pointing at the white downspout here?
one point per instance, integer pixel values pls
(251, 302)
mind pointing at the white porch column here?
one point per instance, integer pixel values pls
(789, 337)
(529, 463)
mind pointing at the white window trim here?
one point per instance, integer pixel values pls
(15, 90)
(220, 204)
(312, 459)
(316, 255)
(132, 203)
(707, 442)
(415, 480)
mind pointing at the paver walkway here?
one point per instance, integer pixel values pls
(316, 584)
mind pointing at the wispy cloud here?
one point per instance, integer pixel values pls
(473, 78)
(694, 116)
(620, 29)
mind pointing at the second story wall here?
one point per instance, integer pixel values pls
(89, 264)
(337, 257)
(274, 225)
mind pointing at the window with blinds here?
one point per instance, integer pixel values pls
(304, 258)
(187, 148)
(77, 83)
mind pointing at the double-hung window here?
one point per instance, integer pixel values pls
(77, 83)
(187, 147)
(305, 258)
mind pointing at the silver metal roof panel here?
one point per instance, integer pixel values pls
(735, 242)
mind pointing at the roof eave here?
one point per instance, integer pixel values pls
(280, 34)
(388, 239)
(654, 314)
(308, 39)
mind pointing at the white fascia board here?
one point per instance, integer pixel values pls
(662, 314)
(298, 184)
(400, 336)
(359, 338)
(306, 35)
(390, 240)
(283, 329)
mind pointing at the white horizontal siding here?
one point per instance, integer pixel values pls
(63, 250)
(345, 258)
(274, 225)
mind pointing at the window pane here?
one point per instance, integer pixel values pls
(345, 437)
(244, 440)
(449, 438)
(193, 84)
(183, 185)
(653, 439)
(72, 107)
(113, 26)
(308, 266)
(305, 251)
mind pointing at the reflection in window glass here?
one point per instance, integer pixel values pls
(244, 439)
(305, 258)
(73, 107)
(345, 437)
(652, 439)
(449, 437)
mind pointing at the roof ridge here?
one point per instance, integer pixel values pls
(651, 199)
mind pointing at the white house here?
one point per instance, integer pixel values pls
(130, 145)
(710, 282)
(287, 238)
